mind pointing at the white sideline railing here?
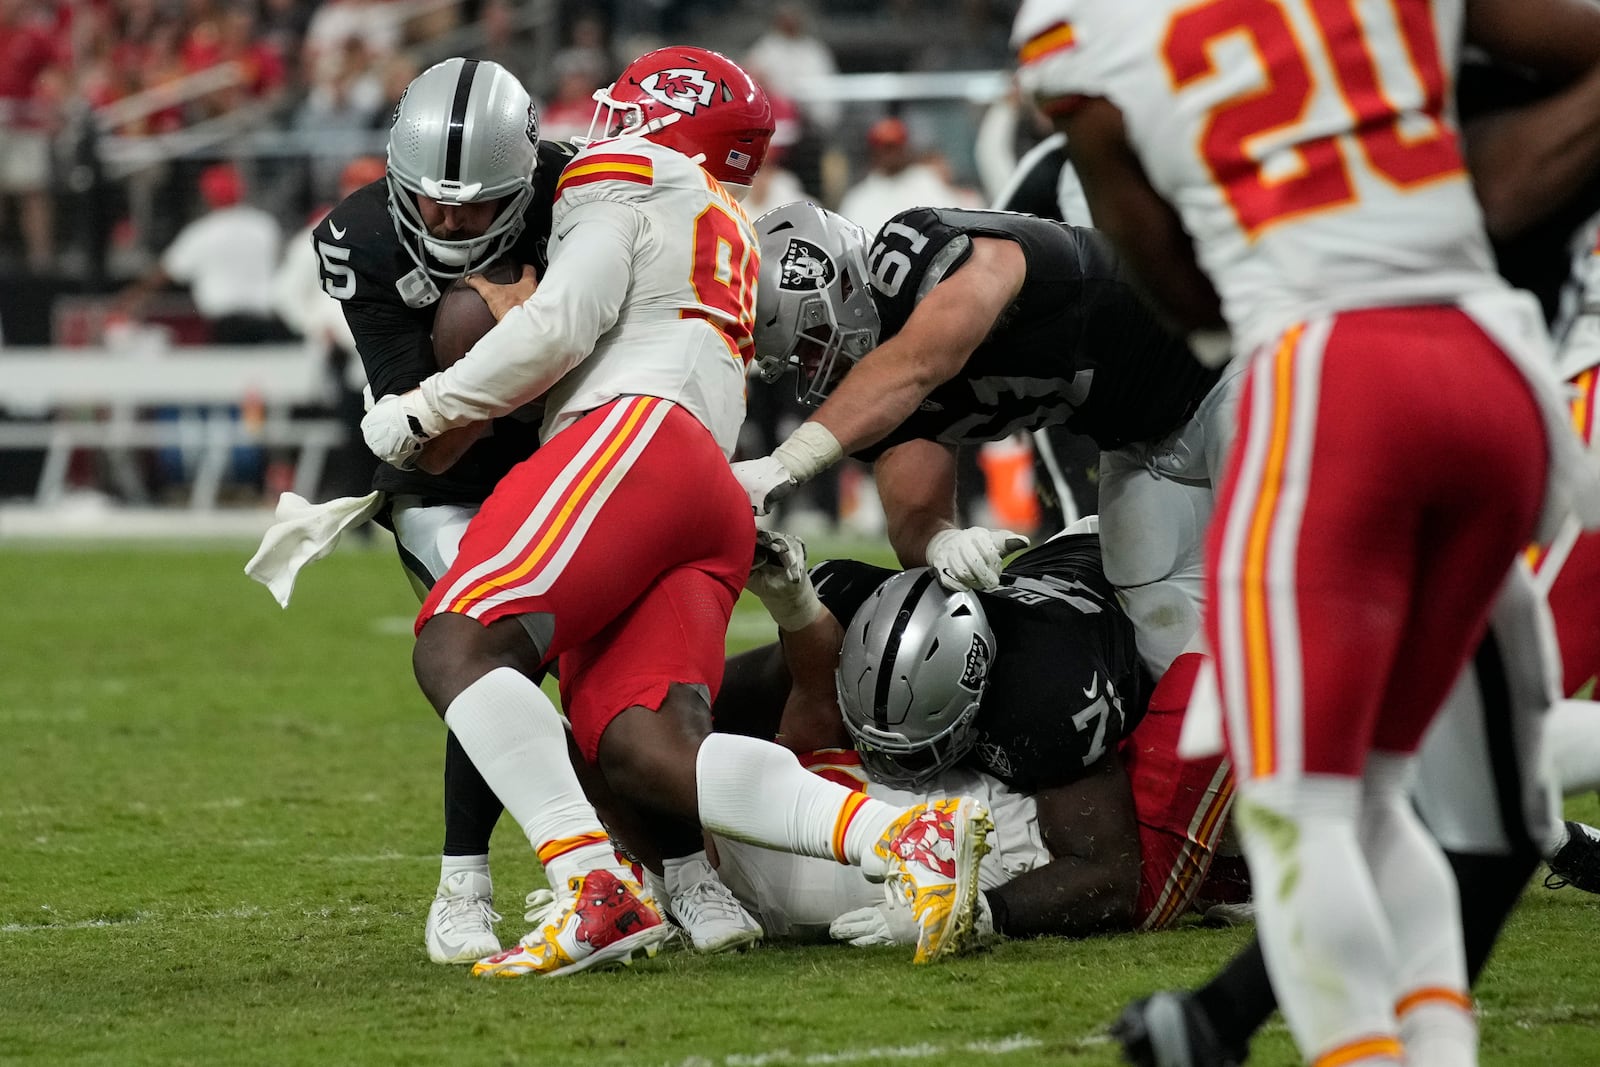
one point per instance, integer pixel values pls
(107, 400)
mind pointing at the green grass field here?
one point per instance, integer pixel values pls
(219, 825)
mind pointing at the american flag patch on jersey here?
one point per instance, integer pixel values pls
(1057, 37)
(738, 160)
(607, 167)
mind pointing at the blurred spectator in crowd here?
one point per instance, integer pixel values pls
(347, 99)
(976, 39)
(282, 26)
(570, 109)
(508, 44)
(227, 258)
(262, 74)
(30, 46)
(377, 24)
(395, 74)
(788, 56)
(587, 36)
(896, 180)
(307, 310)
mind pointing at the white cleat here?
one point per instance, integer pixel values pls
(710, 915)
(461, 920)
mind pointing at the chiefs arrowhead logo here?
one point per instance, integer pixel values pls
(683, 89)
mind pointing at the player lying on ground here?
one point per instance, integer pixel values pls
(1030, 696)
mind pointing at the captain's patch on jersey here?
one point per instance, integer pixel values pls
(805, 267)
(681, 88)
(977, 668)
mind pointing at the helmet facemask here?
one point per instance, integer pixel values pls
(454, 258)
(814, 308)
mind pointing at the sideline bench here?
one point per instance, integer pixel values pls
(107, 400)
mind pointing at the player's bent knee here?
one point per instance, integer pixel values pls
(453, 651)
(648, 755)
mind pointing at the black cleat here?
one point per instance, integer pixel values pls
(1576, 863)
(1168, 1029)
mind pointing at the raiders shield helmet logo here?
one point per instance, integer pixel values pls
(806, 268)
(680, 88)
(977, 668)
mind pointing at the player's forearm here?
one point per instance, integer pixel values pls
(525, 353)
(1068, 897)
(878, 394)
(917, 484)
(555, 329)
(1530, 161)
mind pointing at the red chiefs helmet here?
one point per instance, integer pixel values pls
(696, 101)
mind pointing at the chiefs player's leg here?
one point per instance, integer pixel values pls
(1487, 482)
(1292, 552)
(1181, 805)
(510, 600)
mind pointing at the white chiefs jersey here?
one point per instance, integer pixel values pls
(1309, 148)
(650, 291)
(684, 330)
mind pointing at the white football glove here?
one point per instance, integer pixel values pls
(889, 923)
(778, 577)
(766, 481)
(397, 427)
(970, 558)
(893, 923)
(804, 454)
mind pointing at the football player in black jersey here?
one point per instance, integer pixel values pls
(468, 181)
(1035, 684)
(957, 327)
(1066, 464)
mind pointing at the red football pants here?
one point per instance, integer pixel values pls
(1390, 464)
(629, 534)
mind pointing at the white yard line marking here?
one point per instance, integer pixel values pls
(1003, 1046)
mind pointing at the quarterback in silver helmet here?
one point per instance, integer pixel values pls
(461, 162)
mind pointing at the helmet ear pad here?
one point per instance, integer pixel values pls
(912, 672)
(694, 101)
(815, 312)
(464, 131)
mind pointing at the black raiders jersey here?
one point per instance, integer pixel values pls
(389, 303)
(1066, 683)
(1078, 346)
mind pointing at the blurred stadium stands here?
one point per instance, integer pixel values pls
(111, 109)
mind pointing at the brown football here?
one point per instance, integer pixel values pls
(462, 317)
(459, 321)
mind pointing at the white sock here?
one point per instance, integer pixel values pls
(1572, 740)
(1323, 931)
(515, 738)
(756, 791)
(1417, 889)
(449, 865)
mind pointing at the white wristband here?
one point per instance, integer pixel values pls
(796, 612)
(809, 451)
